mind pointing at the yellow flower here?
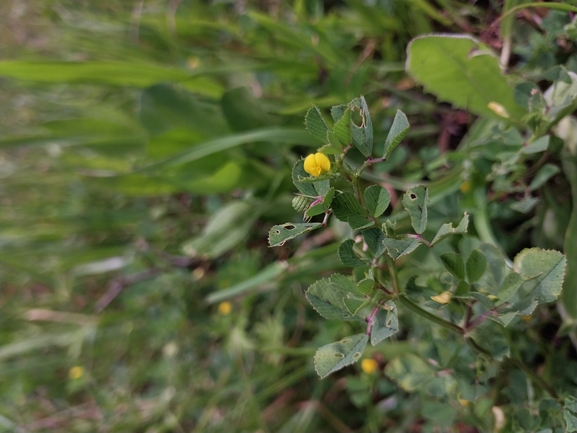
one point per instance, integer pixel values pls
(369, 366)
(224, 308)
(76, 372)
(465, 186)
(443, 298)
(317, 164)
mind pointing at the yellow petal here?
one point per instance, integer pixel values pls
(369, 366)
(323, 162)
(317, 164)
(443, 298)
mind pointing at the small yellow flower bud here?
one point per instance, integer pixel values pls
(463, 402)
(465, 186)
(443, 298)
(498, 109)
(224, 308)
(76, 372)
(316, 164)
(369, 366)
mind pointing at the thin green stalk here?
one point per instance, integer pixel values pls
(394, 275)
(429, 316)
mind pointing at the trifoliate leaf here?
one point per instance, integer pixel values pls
(316, 125)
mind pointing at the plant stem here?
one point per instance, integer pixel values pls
(393, 274)
(370, 320)
(423, 313)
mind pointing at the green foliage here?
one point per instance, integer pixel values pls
(147, 149)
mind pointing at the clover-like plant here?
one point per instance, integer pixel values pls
(473, 284)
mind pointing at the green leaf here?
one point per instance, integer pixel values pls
(316, 125)
(332, 357)
(543, 175)
(385, 323)
(327, 297)
(279, 234)
(347, 209)
(362, 135)
(476, 265)
(415, 201)
(311, 189)
(543, 271)
(323, 206)
(366, 286)
(397, 132)
(374, 238)
(454, 263)
(348, 256)
(342, 128)
(410, 371)
(539, 145)
(447, 229)
(509, 287)
(377, 200)
(400, 247)
(460, 70)
(226, 228)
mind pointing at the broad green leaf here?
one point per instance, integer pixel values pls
(447, 229)
(461, 70)
(374, 238)
(347, 209)
(323, 206)
(385, 323)
(342, 128)
(415, 201)
(348, 256)
(543, 271)
(454, 263)
(316, 125)
(543, 175)
(400, 247)
(226, 228)
(366, 286)
(279, 234)
(362, 135)
(410, 371)
(509, 287)
(328, 294)
(525, 205)
(476, 265)
(338, 111)
(539, 145)
(332, 357)
(397, 132)
(377, 200)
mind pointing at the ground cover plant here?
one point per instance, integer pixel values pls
(181, 253)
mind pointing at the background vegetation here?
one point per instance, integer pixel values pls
(146, 150)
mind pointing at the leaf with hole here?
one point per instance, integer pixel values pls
(332, 357)
(385, 323)
(362, 135)
(397, 132)
(415, 202)
(279, 234)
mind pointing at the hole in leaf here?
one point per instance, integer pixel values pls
(277, 232)
(345, 340)
(289, 227)
(339, 355)
(412, 196)
(357, 355)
